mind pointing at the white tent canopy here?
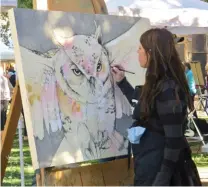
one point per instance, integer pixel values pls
(6, 54)
(177, 15)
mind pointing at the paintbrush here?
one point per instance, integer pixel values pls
(126, 71)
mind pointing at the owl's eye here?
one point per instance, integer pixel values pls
(99, 67)
(77, 72)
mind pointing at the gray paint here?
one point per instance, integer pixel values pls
(36, 24)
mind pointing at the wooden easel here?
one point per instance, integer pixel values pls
(197, 72)
(111, 173)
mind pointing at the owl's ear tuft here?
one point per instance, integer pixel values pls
(97, 34)
(99, 41)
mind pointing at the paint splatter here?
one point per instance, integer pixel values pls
(87, 66)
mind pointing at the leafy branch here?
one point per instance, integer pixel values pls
(25, 4)
(4, 28)
(5, 33)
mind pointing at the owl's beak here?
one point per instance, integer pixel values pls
(92, 83)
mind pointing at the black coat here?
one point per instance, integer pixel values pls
(149, 153)
(148, 156)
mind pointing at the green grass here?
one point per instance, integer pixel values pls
(201, 160)
(12, 176)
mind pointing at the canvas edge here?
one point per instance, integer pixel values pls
(23, 91)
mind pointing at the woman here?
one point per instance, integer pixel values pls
(5, 97)
(191, 82)
(163, 156)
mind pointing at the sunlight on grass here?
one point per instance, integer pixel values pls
(201, 160)
(14, 150)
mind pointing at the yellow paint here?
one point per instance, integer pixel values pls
(65, 107)
(103, 68)
(32, 96)
(75, 107)
(63, 100)
(78, 107)
(29, 88)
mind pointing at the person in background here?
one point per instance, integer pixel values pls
(206, 76)
(191, 83)
(162, 157)
(5, 97)
(206, 86)
(12, 76)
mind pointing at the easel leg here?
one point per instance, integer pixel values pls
(38, 180)
(198, 131)
(42, 174)
(10, 129)
(40, 177)
(203, 106)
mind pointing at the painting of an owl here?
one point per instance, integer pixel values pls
(75, 106)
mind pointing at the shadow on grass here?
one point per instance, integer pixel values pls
(16, 160)
(17, 182)
(17, 154)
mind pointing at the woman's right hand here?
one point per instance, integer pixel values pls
(118, 75)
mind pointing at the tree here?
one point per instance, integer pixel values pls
(4, 26)
(25, 4)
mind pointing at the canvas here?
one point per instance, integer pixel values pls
(74, 110)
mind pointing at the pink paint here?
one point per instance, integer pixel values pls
(78, 114)
(112, 148)
(70, 100)
(68, 44)
(65, 68)
(49, 92)
(87, 66)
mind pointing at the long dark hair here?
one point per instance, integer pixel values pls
(186, 64)
(163, 63)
